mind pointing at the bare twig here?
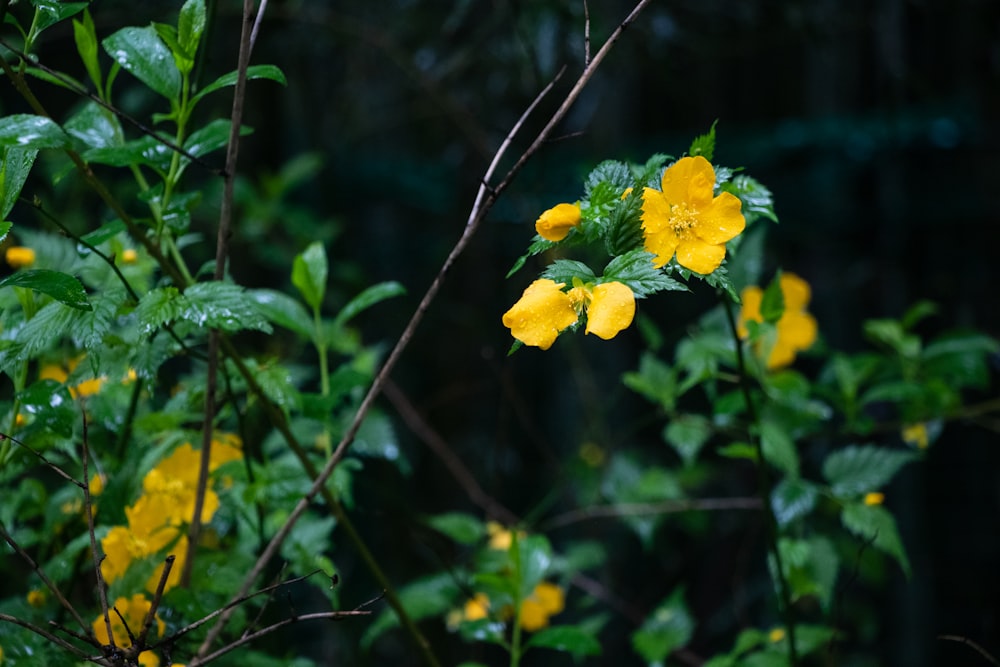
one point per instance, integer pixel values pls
(41, 457)
(42, 632)
(256, 23)
(168, 564)
(649, 509)
(971, 644)
(586, 33)
(221, 256)
(102, 589)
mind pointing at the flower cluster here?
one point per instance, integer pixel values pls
(155, 522)
(134, 611)
(686, 223)
(795, 330)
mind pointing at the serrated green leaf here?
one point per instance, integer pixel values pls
(309, 273)
(857, 470)
(48, 325)
(720, 280)
(26, 132)
(635, 269)
(704, 144)
(368, 298)
(141, 52)
(221, 305)
(5, 229)
(875, 523)
(253, 72)
(58, 285)
(14, 170)
(757, 201)
(85, 36)
(157, 307)
(567, 638)
(687, 434)
(668, 628)
(613, 173)
(623, 230)
(793, 499)
(461, 527)
(283, 310)
(565, 270)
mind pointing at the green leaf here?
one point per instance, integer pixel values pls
(793, 499)
(309, 273)
(567, 638)
(85, 36)
(535, 558)
(283, 310)
(704, 145)
(105, 232)
(875, 523)
(635, 269)
(565, 270)
(461, 527)
(146, 150)
(25, 131)
(212, 137)
(222, 305)
(668, 628)
(51, 406)
(94, 126)
(5, 229)
(51, 12)
(892, 334)
(142, 53)
(688, 434)
(655, 380)
(772, 304)
(623, 229)
(253, 72)
(857, 470)
(757, 201)
(14, 170)
(430, 596)
(779, 448)
(612, 173)
(538, 246)
(59, 286)
(190, 26)
(368, 298)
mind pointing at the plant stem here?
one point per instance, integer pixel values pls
(764, 486)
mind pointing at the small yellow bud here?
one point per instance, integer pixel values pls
(20, 257)
(36, 598)
(874, 498)
(129, 256)
(776, 635)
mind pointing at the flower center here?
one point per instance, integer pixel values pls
(682, 219)
(579, 297)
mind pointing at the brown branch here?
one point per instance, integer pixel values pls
(42, 632)
(102, 589)
(649, 509)
(971, 644)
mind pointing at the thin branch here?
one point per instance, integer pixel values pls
(59, 471)
(42, 632)
(168, 564)
(586, 33)
(102, 589)
(971, 644)
(485, 199)
(257, 22)
(649, 509)
(221, 255)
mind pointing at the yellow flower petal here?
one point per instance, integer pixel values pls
(19, 257)
(874, 498)
(796, 330)
(611, 309)
(540, 314)
(721, 220)
(700, 257)
(546, 600)
(916, 435)
(476, 608)
(795, 291)
(689, 180)
(555, 223)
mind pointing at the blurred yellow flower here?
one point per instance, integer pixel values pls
(546, 600)
(555, 223)
(874, 498)
(36, 597)
(19, 257)
(796, 329)
(146, 535)
(477, 608)
(129, 256)
(544, 310)
(96, 486)
(60, 374)
(916, 435)
(500, 537)
(134, 611)
(776, 635)
(685, 217)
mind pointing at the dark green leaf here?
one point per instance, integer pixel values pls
(51, 12)
(772, 304)
(142, 53)
(635, 269)
(368, 298)
(146, 150)
(565, 270)
(222, 305)
(535, 557)
(5, 229)
(704, 145)
(623, 229)
(253, 72)
(688, 434)
(191, 25)
(51, 407)
(875, 523)
(430, 596)
(212, 137)
(857, 470)
(655, 380)
(59, 286)
(793, 499)
(157, 307)
(182, 58)
(668, 628)
(538, 246)
(94, 126)
(917, 312)
(309, 273)
(779, 448)
(567, 638)
(104, 233)
(14, 170)
(612, 173)
(25, 131)
(461, 527)
(757, 201)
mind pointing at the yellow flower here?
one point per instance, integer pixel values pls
(776, 635)
(37, 597)
(544, 310)
(500, 537)
(146, 535)
(545, 601)
(96, 485)
(916, 435)
(555, 223)
(134, 611)
(685, 218)
(874, 498)
(129, 256)
(477, 608)
(60, 374)
(796, 329)
(19, 257)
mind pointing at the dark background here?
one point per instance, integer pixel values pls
(874, 123)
